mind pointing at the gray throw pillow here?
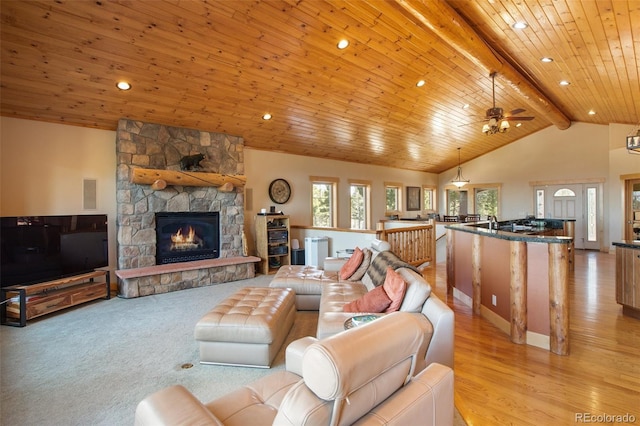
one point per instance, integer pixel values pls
(378, 269)
(366, 261)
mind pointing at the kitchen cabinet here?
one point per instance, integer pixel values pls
(628, 277)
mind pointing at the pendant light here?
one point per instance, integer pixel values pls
(459, 180)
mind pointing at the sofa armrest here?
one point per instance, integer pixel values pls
(442, 342)
(333, 264)
(174, 405)
(294, 352)
(427, 399)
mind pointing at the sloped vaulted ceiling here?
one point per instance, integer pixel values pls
(220, 65)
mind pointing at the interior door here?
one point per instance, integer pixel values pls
(632, 209)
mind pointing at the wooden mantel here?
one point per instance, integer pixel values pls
(159, 179)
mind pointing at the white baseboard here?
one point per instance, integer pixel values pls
(462, 297)
(538, 340)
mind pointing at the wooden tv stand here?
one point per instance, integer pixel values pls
(43, 298)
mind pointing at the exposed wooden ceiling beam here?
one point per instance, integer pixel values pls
(440, 18)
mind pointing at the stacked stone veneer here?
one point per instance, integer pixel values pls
(155, 146)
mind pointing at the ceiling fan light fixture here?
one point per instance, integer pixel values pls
(459, 181)
(494, 127)
(496, 120)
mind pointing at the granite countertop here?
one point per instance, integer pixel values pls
(634, 244)
(526, 235)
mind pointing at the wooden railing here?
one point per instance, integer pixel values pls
(415, 245)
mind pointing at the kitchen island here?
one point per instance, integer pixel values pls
(628, 277)
(515, 275)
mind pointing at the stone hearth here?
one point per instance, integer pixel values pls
(156, 146)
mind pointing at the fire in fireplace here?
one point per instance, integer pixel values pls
(187, 236)
(191, 241)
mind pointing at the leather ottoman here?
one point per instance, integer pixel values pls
(247, 328)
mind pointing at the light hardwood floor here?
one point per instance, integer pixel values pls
(501, 383)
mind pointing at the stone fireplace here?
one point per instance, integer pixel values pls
(155, 146)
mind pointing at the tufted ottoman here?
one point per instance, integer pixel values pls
(247, 328)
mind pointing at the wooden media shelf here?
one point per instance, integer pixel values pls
(24, 302)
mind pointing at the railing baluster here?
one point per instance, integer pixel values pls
(414, 245)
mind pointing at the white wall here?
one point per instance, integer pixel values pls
(44, 164)
(262, 167)
(43, 167)
(581, 153)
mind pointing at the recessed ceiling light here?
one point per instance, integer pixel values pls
(564, 83)
(592, 112)
(520, 25)
(546, 59)
(342, 44)
(420, 83)
(267, 116)
(123, 85)
(465, 106)
(519, 124)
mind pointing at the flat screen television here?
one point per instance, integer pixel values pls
(35, 249)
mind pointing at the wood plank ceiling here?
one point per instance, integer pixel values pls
(220, 65)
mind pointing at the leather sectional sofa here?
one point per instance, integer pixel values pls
(323, 290)
(394, 370)
(368, 375)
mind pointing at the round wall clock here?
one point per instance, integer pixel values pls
(279, 191)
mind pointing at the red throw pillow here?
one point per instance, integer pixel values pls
(352, 264)
(375, 301)
(395, 287)
(362, 269)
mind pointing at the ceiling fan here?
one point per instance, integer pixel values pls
(497, 121)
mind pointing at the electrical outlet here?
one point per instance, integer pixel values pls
(494, 300)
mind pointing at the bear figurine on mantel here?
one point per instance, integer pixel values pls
(191, 162)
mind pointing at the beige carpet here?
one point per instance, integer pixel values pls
(92, 364)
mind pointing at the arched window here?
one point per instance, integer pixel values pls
(564, 192)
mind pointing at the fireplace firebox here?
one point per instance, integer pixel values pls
(187, 236)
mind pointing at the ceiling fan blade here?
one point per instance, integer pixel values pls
(496, 114)
(516, 118)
